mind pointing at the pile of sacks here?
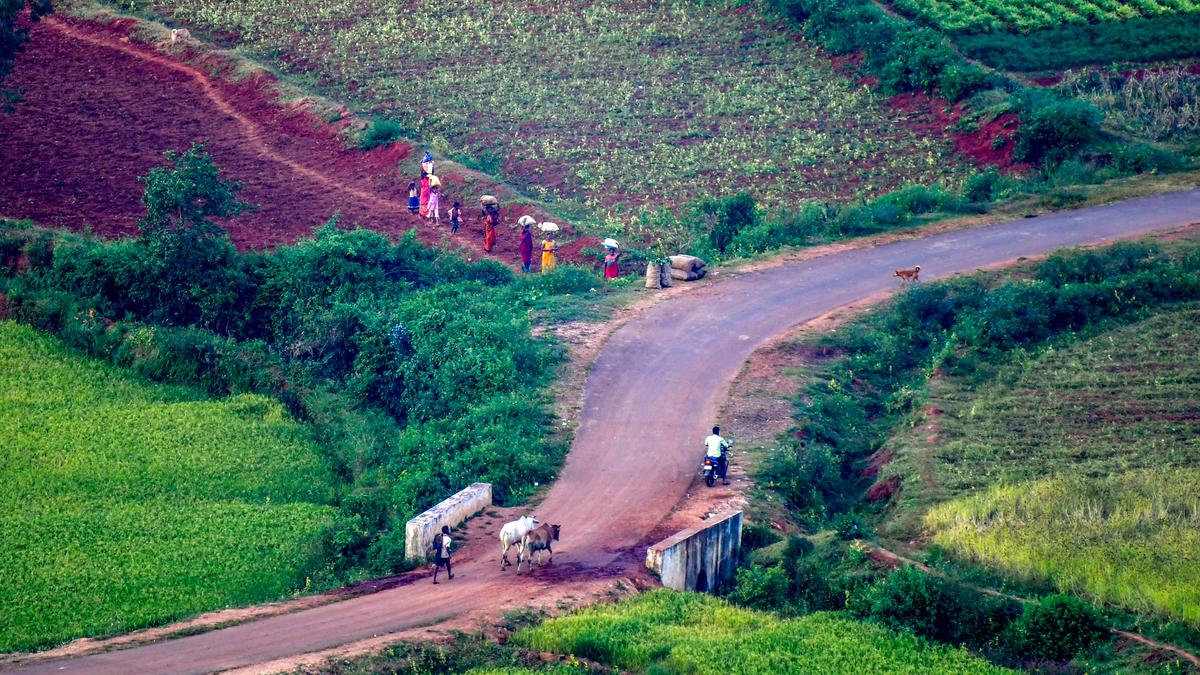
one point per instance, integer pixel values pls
(687, 267)
(680, 268)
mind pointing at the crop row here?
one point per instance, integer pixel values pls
(1122, 401)
(1131, 539)
(695, 633)
(983, 16)
(127, 504)
(600, 104)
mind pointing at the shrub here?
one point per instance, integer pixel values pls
(758, 536)
(381, 132)
(851, 526)
(982, 186)
(732, 216)
(1052, 128)
(1057, 628)
(932, 607)
(761, 587)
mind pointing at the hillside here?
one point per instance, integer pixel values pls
(636, 105)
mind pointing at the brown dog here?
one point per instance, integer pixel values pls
(909, 275)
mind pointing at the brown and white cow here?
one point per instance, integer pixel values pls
(536, 540)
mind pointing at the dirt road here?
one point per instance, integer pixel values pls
(650, 397)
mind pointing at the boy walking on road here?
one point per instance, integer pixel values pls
(441, 553)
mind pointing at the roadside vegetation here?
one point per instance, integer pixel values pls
(1037, 423)
(127, 503)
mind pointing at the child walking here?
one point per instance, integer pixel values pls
(435, 198)
(455, 217)
(414, 202)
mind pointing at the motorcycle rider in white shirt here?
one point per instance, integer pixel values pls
(717, 448)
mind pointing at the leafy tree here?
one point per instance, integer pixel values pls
(12, 35)
(187, 258)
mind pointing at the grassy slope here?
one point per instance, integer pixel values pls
(1122, 402)
(696, 633)
(641, 103)
(127, 504)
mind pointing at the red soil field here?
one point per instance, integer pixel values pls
(97, 110)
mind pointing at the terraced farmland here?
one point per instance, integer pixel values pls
(637, 104)
(127, 504)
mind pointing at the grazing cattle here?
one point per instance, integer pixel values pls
(908, 275)
(512, 534)
(179, 35)
(537, 540)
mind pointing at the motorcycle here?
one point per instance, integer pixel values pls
(714, 467)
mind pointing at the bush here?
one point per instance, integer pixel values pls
(761, 588)
(1057, 628)
(932, 607)
(851, 526)
(982, 186)
(732, 216)
(758, 536)
(1053, 128)
(381, 132)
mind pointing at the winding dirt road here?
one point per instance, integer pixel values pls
(651, 394)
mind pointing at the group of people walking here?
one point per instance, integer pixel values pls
(424, 199)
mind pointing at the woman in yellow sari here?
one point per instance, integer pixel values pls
(548, 249)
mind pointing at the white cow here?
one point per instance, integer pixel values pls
(512, 534)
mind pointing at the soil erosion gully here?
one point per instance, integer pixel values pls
(651, 396)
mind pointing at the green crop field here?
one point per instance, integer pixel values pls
(1113, 423)
(638, 103)
(696, 633)
(982, 16)
(1131, 539)
(127, 504)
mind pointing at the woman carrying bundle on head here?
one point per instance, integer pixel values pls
(549, 247)
(491, 220)
(612, 259)
(423, 205)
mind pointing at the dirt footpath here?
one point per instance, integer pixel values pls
(98, 108)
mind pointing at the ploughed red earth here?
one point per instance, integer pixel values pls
(98, 109)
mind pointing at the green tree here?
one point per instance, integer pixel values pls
(12, 35)
(189, 263)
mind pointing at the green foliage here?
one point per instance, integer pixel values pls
(1058, 628)
(958, 326)
(934, 608)
(411, 401)
(851, 525)
(1052, 128)
(1164, 37)
(1024, 16)
(758, 536)
(983, 186)
(381, 132)
(732, 216)
(664, 631)
(127, 505)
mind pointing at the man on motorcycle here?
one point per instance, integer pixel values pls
(717, 448)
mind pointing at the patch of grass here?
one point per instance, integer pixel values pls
(664, 631)
(128, 504)
(1131, 539)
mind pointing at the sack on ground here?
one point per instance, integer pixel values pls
(653, 276)
(680, 275)
(687, 263)
(664, 275)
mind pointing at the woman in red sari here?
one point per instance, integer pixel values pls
(424, 204)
